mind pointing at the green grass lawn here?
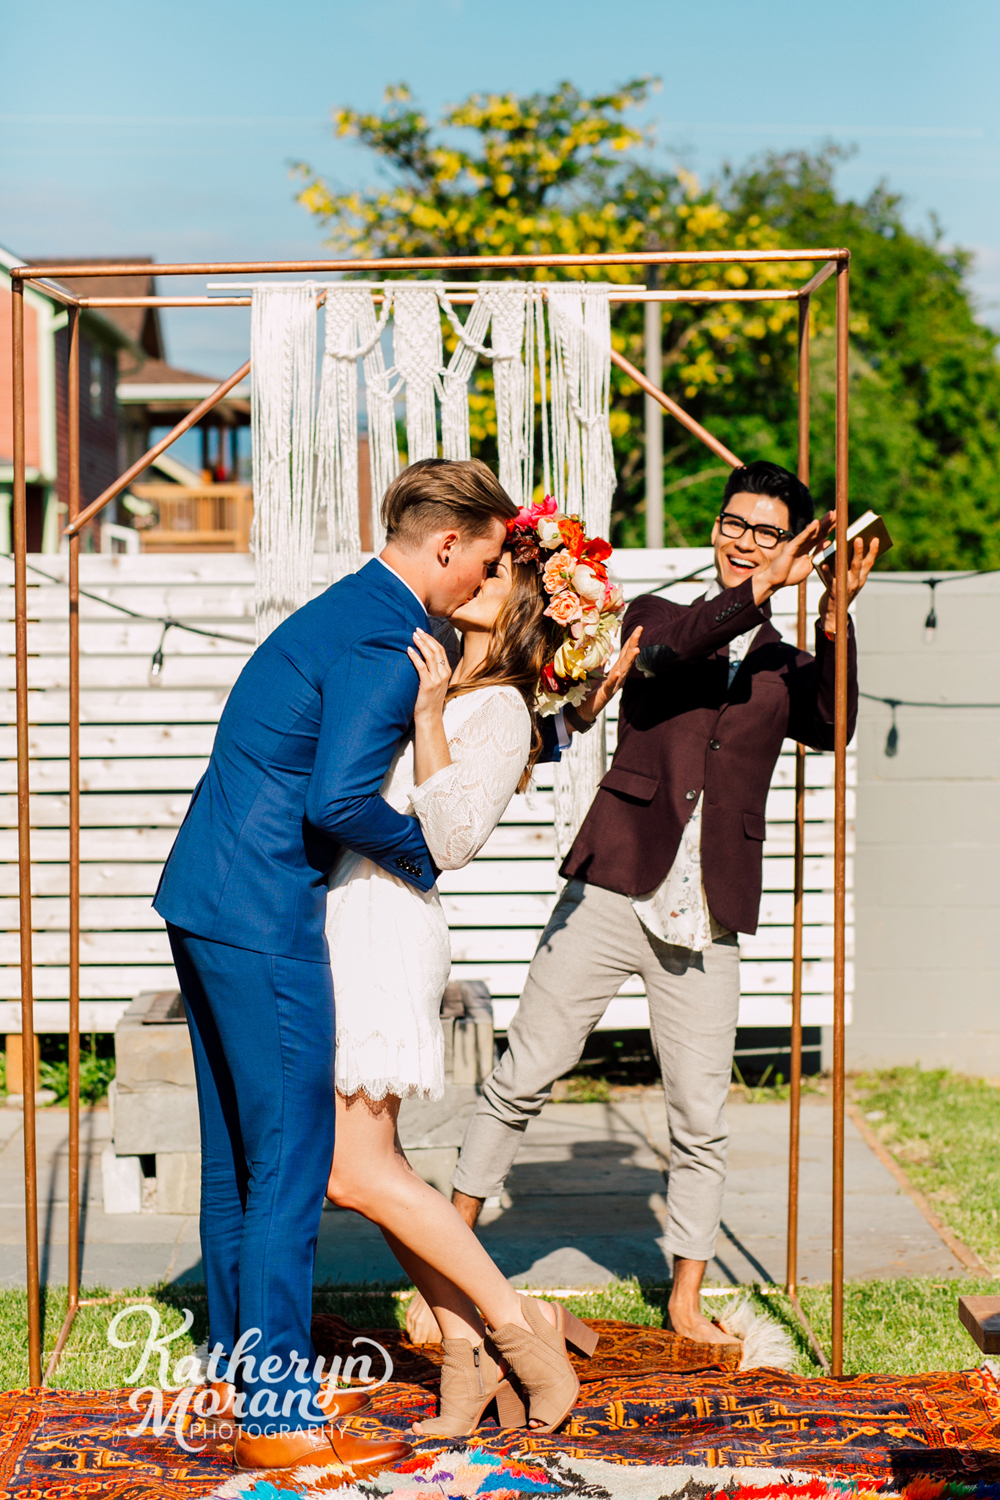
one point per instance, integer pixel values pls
(944, 1130)
(898, 1327)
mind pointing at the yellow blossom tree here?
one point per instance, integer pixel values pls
(556, 174)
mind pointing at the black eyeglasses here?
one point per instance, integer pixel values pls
(766, 537)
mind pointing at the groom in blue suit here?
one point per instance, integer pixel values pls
(301, 752)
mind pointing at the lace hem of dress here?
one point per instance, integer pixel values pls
(377, 1089)
(375, 1066)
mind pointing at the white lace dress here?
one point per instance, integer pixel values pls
(390, 950)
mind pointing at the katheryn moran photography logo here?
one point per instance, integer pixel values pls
(188, 1381)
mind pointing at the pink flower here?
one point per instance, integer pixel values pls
(564, 608)
(614, 597)
(558, 574)
(546, 507)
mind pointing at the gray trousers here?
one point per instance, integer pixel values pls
(594, 941)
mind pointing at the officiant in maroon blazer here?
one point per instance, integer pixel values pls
(666, 868)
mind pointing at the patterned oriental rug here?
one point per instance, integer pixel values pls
(638, 1433)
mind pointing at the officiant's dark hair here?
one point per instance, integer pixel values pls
(763, 478)
(441, 493)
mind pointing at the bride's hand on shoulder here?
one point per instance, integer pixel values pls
(430, 743)
(434, 671)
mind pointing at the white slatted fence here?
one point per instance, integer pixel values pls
(145, 742)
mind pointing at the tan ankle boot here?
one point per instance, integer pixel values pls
(540, 1362)
(470, 1381)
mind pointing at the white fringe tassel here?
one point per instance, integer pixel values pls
(352, 333)
(419, 356)
(583, 478)
(282, 396)
(508, 302)
(455, 441)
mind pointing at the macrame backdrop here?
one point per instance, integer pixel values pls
(283, 393)
(418, 356)
(583, 480)
(352, 333)
(300, 461)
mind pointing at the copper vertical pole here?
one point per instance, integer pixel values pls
(795, 1070)
(24, 847)
(840, 832)
(73, 1050)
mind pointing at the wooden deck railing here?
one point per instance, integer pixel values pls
(210, 518)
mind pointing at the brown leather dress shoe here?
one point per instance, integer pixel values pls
(361, 1458)
(337, 1404)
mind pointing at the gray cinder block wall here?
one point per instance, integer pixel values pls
(927, 871)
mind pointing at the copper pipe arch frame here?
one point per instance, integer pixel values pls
(436, 263)
(836, 262)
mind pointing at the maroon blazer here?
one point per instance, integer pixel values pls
(684, 731)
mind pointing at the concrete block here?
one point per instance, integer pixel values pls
(469, 1059)
(122, 1180)
(152, 1054)
(154, 1120)
(435, 1165)
(178, 1182)
(435, 1123)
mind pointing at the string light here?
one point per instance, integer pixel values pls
(930, 624)
(892, 738)
(156, 665)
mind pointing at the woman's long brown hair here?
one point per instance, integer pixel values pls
(520, 645)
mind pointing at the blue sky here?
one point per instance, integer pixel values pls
(167, 129)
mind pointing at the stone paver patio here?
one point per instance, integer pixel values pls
(584, 1203)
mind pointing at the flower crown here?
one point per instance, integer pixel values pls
(581, 599)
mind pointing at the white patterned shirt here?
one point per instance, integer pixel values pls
(677, 911)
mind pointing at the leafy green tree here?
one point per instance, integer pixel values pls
(546, 174)
(556, 173)
(925, 384)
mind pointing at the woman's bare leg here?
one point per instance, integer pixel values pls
(371, 1175)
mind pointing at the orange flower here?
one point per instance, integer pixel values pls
(572, 533)
(594, 553)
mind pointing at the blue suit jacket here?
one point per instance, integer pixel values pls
(301, 751)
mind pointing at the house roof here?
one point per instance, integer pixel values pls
(108, 332)
(161, 384)
(157, 372)
(140, 325)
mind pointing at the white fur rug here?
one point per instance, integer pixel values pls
(765, 1342)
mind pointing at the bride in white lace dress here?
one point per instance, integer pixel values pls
(389, 940)
(474, 739)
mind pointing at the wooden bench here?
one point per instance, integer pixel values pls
(980, 1317)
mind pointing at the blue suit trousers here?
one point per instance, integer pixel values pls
(262, 1032)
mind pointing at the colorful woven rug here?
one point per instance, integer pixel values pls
(632, 1436)
(625, 1352)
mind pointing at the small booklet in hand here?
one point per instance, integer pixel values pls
(867, 526)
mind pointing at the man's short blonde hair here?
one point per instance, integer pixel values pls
(441, 494)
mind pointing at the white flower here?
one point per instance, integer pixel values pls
(547, 531)
(587, 584)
